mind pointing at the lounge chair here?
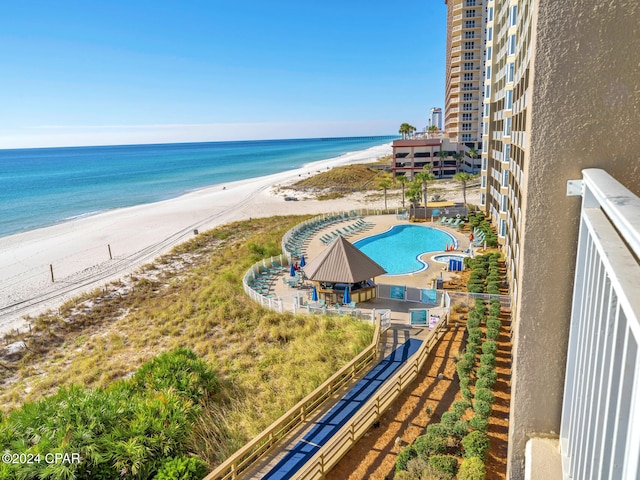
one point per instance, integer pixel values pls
(448, 222)
(456, 222)
(443, 219)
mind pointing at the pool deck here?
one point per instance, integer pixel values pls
(381, 223)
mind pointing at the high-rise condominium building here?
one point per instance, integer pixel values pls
(549, 66)
(435, 118)
(464, 77)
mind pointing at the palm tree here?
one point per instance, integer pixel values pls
(406, 129)
(402, 179)
(458, 157)
(384, 184)
(423, 177)
(432, 129)
(413, 193)
(443, 154)
(463, 178)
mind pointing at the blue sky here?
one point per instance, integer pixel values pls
(121, 72)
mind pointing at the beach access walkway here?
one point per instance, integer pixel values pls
(399, 343)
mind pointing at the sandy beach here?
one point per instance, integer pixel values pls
(88, 252)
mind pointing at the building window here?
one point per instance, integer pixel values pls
(485, 128)
(485, 146)
(490, 15)
(503, 203)
(469, 45)
(489, 53)
(470, 14)
(484, 182)
(466, 137)
(486, 110)
(490, 34)
(511, 68)
(468, 55)
(467, 96)
(466, 117)
(468, 76)
(467, 86)
(471, 3)
(507, 127)
(505, 179)
(508, 99)
(512, 45)
(469, 24)
(466, 127)
(513, 18)
(503, 228)
(484, 164)
(507, 152)
(487, 91)
(469, 66)
(467, 106)
(488, 72)
(469, 35)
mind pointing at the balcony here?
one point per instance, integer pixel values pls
(599, 433)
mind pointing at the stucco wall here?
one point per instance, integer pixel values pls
(584, 112)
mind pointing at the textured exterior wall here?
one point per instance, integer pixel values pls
(584, 112)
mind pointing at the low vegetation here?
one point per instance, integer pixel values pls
(457, 446)
(347, 177)
(478, 220)
(98, 362)
(485, 274)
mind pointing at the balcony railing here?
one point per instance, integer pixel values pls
(600, 428)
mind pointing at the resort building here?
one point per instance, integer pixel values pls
(464, 66)
(411, 156)
(549, 67)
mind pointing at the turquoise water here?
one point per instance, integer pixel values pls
(44, 186)
(397, 250)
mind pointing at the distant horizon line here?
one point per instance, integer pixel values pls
(203, 142)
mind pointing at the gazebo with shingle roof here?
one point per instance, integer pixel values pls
(340, 266)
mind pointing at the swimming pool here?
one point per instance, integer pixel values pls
(397, 250)
(446, 258)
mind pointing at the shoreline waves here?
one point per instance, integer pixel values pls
(78, 250)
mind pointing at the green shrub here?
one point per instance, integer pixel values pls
(404, 457)
(482, 408)
(466, 394)
(493, 288)
(181, 370)
(472, 469)
(437, 430)
(429, 444)
(464, 382)
(448, 420)
(475, 288)
(464, 368)
(494, 323)
(460, 408)
(182, 468)
(476, 444)
(479, 423)
(445, 464)
(484, 382)
(475, 335)
(492, 334)
(472, 348)
(488, 373)
(473, 321)
(495, 310)
(469, 357)
(460, 429)
(488, 359)
(489, 347)
(485, 395)
(403, 475)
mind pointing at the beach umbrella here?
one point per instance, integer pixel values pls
(292, 271)
(347, 296)
(302, 262)
(314, 294)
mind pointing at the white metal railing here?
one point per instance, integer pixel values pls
(600, 426)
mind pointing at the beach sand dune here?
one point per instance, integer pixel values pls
(88, 252)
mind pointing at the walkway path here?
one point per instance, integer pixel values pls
(328, 425)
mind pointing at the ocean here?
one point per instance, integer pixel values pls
(43, 186)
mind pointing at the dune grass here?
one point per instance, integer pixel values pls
(193, 298)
